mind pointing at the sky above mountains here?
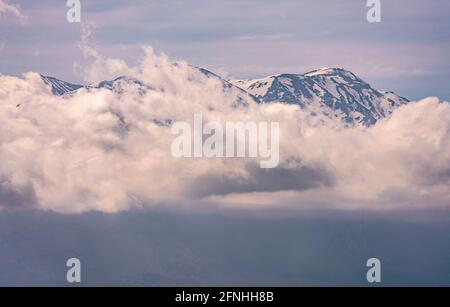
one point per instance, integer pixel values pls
(407, 52)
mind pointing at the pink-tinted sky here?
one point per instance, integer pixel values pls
(407, 52)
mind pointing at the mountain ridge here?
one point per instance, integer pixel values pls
(335, 92)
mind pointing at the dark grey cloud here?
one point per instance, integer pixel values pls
(434, 176)
(262, 180)
(12, 197)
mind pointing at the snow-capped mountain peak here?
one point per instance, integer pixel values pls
(328, 70)
(334, 91)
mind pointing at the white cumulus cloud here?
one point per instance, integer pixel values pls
(99, 150)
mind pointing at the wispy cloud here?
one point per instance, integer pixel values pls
(12, 9)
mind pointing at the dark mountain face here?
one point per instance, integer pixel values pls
(60, 87)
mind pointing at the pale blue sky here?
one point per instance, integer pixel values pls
(408, 52)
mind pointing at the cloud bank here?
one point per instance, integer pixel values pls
(106, 151)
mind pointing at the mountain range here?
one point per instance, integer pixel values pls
(335, 92)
